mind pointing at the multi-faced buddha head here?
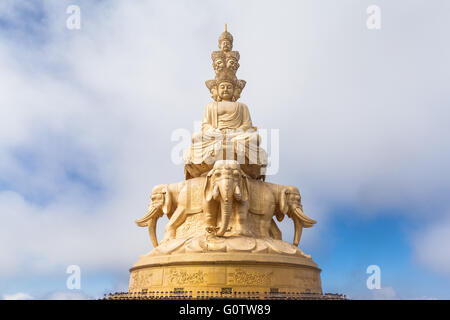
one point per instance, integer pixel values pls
(226, 41)
(232, 64)
(225, 86)
(225, 45)
(225, 90)
(218, 65)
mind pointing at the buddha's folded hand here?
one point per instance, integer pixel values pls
(213, 133)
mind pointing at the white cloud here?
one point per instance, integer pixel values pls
(57, 295)
(17, 296)
(432, 246)
(64, 295)
(386, 293)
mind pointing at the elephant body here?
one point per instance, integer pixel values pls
(227, 196)
(175, 200)
(263, 204)
(190, 201)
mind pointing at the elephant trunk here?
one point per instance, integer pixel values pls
(153, 212)
(226, 209)
(225, 187)
(150, 220)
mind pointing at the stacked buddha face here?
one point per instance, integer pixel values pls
(225, 86)
(226, 41)
(225, 91)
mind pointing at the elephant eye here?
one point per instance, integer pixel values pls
(217, 174)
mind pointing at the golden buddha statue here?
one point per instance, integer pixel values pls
(227, 129)
(222, 235)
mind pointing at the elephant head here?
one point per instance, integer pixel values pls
(290, 204)
(226, 183)
(160, 204)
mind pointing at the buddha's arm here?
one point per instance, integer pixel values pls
(206, 127)
(246, 120)
(208, 124)
(206, 120)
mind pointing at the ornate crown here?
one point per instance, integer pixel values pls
(225, 64)
(225, 36)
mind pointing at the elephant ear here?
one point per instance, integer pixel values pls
(207, 191)
(283, 201)
(167, 206)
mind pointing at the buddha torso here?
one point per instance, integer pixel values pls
(226, 107)
(226, 115)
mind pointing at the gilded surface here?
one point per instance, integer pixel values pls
(181, 277)
(224, 209)
(252, 278)
(262, 277)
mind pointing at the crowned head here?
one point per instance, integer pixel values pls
(225, 90)
(226, 41)
(225, 86)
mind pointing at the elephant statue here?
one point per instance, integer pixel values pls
(230, 187)
(226, 192)
(289, 203)
(162, 201)
(175, 200)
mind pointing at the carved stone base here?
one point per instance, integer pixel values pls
(226, 275)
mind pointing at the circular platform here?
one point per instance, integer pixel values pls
(216, 274)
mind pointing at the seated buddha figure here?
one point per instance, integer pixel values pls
(227, 131)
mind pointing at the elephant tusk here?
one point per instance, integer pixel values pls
(237, 193)
(215, 193)
(306, 221)
(298, 227)
(152, 231)
(151, 213)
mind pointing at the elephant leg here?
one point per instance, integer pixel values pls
(275, 231)
(175, 221)
(241, 227)
(264, 226)
(211, 211)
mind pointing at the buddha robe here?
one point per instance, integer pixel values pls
(238, 140)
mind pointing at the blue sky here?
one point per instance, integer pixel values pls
(86, 119)
(383, 241)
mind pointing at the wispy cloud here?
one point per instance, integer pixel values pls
(17, 296)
